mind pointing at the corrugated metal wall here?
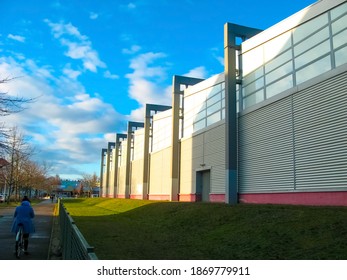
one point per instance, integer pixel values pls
(205, 150)
(214, 156)
(298, 143)
(320, 121)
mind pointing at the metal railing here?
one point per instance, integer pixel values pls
(73, 244)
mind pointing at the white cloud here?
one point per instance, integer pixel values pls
(60, 29)
(43, 71)
(70, 73)
(141, 66)
(198, 72)
(128, 7)
(66, 123)
(108, 75)
(137, 115)
(131, 6)
(93, 15)
(79, 46)
(217, 55)
(16, 38)
(145, 79)
(109, 137)
(220, 59)
(145, 83)
(134, 49)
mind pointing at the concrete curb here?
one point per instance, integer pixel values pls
(54, 252)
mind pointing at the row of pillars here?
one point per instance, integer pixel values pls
(232, 32)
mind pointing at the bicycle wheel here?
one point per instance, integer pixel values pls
(19, 241)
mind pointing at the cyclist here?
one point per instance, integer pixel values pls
(24, 215)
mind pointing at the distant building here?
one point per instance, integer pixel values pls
(271, 128)
(68, 187)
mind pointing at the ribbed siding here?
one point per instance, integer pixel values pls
(298, 143)
(320, 118)
(266, 148)
(205, 150)
(214, 156)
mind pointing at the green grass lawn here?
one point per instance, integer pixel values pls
(145, 230)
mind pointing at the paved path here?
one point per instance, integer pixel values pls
(39, 242)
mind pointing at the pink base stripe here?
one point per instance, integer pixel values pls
(309, 198)
(159, 197)
(136, 196)
(298, 198)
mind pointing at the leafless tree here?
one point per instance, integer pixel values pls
(32, 178)
(89, 182)
(17, 153)
(9, 104)
(53, 184)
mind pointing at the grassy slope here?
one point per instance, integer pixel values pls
(135, 229)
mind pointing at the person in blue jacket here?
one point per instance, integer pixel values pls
(24, 215)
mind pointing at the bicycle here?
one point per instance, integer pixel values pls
(20, 241)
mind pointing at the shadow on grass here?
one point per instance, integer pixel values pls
(168, 230)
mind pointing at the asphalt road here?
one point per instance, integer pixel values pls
(39, 242)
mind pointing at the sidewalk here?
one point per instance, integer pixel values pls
(43, 244)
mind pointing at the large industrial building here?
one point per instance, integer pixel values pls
(272, 128)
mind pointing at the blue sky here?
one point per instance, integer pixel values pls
(93, 64)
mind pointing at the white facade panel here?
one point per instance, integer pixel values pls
(162, 130)
(112, 170)
(309, 48)
(160, 167)
(187, 185)
(204, 104)
(136, 185)
(121, 181)
(123, 153)
(138, 144)
(294, 20)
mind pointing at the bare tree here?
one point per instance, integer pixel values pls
(53, 184)
(8, 105)
(88, 183)
(32, 179)
(17, 154)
